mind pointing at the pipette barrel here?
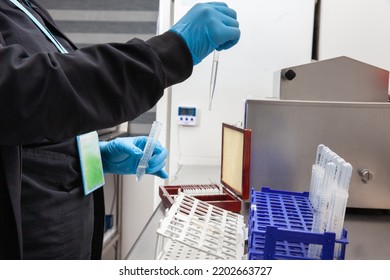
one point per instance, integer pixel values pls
(213, 78)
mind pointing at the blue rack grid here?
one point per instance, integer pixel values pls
(279, 227)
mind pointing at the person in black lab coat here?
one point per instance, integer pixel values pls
(51, 92)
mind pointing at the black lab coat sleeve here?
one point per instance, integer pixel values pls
(56, 96)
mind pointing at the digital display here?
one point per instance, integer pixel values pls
(187, 111)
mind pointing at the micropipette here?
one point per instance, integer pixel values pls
(149, 148)
(213, 78)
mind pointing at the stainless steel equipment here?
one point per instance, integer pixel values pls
(286, 133)
(336, 79)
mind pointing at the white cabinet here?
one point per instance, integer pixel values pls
(359, 29)
(113, 206)
(138, 204)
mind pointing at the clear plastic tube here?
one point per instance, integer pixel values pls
(149, 148)
(213, 78)
(330, 180)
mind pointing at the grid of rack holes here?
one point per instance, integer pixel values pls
(194, 229)
(285, 211)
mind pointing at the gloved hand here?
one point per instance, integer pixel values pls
(208, 27)
(122, 155)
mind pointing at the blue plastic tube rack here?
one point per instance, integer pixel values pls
(279, 227)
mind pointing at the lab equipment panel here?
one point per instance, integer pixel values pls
(285, 133)
(336, 79)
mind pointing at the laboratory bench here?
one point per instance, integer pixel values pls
(367, 229)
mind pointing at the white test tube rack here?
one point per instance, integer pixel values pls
(193, 229)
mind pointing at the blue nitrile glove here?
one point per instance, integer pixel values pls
(207, 27)
(122, 155)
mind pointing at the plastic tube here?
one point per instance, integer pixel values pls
(149, 148)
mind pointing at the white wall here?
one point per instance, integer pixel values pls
(359, 29)
(275, 34)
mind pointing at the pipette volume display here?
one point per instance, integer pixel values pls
(149, 148)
